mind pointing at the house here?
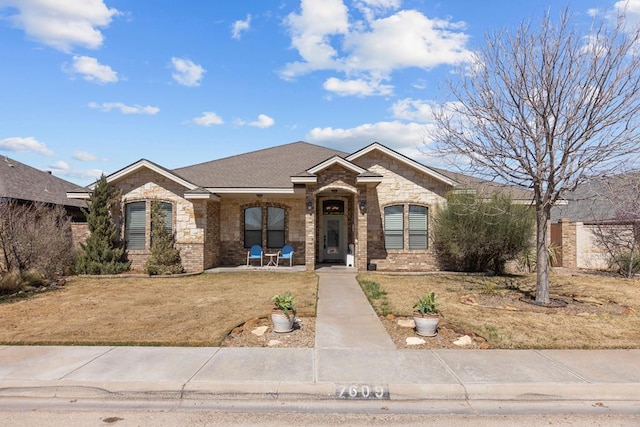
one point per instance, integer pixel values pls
(606, 202)
(22, 184)
(374, 205)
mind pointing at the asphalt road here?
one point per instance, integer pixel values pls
(121, 413)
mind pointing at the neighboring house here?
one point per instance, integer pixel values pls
(23, 184)
(321, 201)
(599, 202)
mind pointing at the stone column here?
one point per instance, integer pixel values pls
(310, 230)
(362, 208)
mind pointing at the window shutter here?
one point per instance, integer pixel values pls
(135, 221)
(393, 227)
(418, 227)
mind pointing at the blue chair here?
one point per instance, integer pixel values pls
(254, 253)
(285, 253)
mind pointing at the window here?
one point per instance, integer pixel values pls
(393, 227)
(417, 227)
(252, 226)
(275, 227)
(417, 230)
(135, 224)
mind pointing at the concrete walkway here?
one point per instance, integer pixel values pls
(345, 319)
(353, 359)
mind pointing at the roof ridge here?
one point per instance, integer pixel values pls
(256, 152)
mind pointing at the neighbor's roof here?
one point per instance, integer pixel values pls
(21, 182)
(268, 168)
(483, 186)
(592, 201)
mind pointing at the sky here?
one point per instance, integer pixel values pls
(91, 86)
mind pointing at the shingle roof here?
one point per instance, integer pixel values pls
(268, 168)
(482, 185)
(22, 182)
(592, 201)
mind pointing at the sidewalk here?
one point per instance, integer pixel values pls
(353, 359)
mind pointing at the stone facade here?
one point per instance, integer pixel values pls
(189, 217)
(400, 185)
(232, 250)
(211, 233)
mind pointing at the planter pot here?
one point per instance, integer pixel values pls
(282, 322)
(426, 325)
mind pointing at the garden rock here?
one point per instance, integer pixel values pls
(464, 341)
(407, 323)
(259, 331)
(415, 341)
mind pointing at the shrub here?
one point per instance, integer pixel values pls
(100, 253)
(36, 237)
(627, 266)
(471, 234)
(165, 258)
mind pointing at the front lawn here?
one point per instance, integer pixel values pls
(194, 310)
(601, 311)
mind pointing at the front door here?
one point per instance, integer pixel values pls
(333, 238)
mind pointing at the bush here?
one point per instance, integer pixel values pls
(35, 237)
(474, 235)
(626, 266)
(100, 253)
(165, 258)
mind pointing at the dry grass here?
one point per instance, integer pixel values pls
(194, 310)
(613, 324)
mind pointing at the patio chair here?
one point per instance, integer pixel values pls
(285, 253)
(254, 253)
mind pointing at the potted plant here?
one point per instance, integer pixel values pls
(283, 314)
(425, 315)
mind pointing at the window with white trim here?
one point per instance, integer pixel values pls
(393, 227)
(135, 225)
(418, 227)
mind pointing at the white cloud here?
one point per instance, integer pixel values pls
(28, 144)
(124, 108)
(239, 26)
(208, 118)
(92, 71)
(186, 72)
(394, 134)
(310, 35)
(357, 87)
(630, 9)
(84, 156)
(368, 51)
(60, 165)
(263, 122)
(61, 24)
(414, 109)
(61, 168)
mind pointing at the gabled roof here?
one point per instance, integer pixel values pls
(376, 146)
(259, 171)
(21, 182)
(193, 191)
(310, 175)
(482, 186)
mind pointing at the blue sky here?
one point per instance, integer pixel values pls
(91, 86)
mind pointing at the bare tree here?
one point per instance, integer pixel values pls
(617, 230)
(35, 236)
(544, 107)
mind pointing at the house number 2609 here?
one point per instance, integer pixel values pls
(362, 391)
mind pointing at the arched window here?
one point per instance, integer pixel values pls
(275, 227)
(252, 226)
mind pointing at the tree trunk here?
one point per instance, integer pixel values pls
(542, 259)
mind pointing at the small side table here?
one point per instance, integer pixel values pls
(272, 261)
